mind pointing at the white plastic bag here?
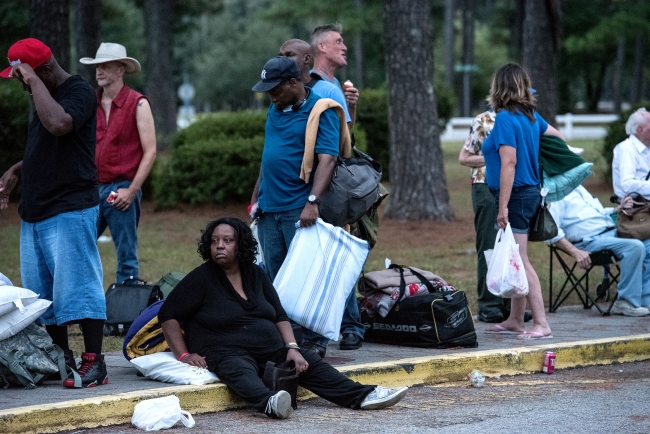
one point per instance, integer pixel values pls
(160, 413)
(506, 276)
(318, 274)
(164, 367)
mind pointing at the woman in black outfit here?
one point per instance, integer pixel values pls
(234, 323)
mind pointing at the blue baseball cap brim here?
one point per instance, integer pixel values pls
(265, 86)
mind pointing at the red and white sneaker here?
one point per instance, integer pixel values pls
(92, 371)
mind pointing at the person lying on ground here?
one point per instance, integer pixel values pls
(234, 323)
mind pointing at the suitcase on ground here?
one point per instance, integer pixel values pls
(125, 301)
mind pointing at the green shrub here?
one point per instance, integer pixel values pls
(209, 171)
(372, 116)
(616, 134)
(14, 113)
(225, 125)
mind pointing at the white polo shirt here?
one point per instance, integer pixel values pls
(630, 166)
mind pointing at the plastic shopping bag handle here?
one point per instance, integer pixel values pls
(187, 419)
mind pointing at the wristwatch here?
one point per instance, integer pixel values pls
(313, 199)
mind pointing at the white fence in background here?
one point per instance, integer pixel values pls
(572, 126)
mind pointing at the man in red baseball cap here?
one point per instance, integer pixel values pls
(59, 206)
(30, 51)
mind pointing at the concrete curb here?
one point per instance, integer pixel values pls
(118, 408)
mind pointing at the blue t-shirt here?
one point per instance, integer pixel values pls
(325, 89)
(281, 188)
(517, 131)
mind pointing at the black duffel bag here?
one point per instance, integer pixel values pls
(436, 320)
(125, 301)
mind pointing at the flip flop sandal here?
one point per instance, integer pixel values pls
(533, 335)
(498, 329)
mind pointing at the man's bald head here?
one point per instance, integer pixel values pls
(297, 45)
(300, 51)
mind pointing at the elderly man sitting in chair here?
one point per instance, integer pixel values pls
(584, 226)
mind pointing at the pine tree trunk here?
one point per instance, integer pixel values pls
(517, 31)
(618, 75)
(468, 55)
(449, 42)
(417, 176)
(48, 22)
(637, 75)
(358, 51)
(159, 85)
(88, 24)
(542, 42)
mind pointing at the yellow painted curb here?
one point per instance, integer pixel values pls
(118, 408)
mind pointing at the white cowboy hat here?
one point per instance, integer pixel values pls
(110, 52)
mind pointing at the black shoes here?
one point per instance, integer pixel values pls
(314, 347)
(92, 371)
(350, 341)
(499, 317)
(496, 318)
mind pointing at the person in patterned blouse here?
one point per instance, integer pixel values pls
(491, 309)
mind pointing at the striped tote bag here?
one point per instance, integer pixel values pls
(318, 274)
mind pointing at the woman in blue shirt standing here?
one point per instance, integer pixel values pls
(511, 154)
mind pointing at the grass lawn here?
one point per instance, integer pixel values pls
(167, 240)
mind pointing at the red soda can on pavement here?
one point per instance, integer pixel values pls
(111, 197)
(549, 362)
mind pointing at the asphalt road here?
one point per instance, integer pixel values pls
(604, 399)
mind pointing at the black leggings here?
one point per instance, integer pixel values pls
(242, 374)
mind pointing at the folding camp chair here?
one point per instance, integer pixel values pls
(603, 258)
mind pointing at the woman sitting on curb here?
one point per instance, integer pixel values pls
(234, 323)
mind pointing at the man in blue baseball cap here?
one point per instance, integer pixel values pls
(281, 197)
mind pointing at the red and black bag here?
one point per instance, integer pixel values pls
(440, 319)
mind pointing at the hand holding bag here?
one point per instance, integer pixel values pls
(506, 276)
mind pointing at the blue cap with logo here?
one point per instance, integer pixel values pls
(275, 71)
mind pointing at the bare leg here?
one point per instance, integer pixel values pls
(516, 320)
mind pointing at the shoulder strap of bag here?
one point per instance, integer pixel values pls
(314, 79)
(424, 281)
(402, 282)
(647, 176)
(8, 358)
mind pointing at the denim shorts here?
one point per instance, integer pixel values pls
(60, 262)
(522, 206)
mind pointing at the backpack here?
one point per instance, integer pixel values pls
(28, 357)
(353, 190)
(169, 282)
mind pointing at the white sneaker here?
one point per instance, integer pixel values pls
(622, 307)
(279, 405)
(383, 397)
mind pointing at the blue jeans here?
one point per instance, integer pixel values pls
(60, 262)
(276, 230)
(522, 206)
(634, 282)
(123, 226)
(351, 322)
